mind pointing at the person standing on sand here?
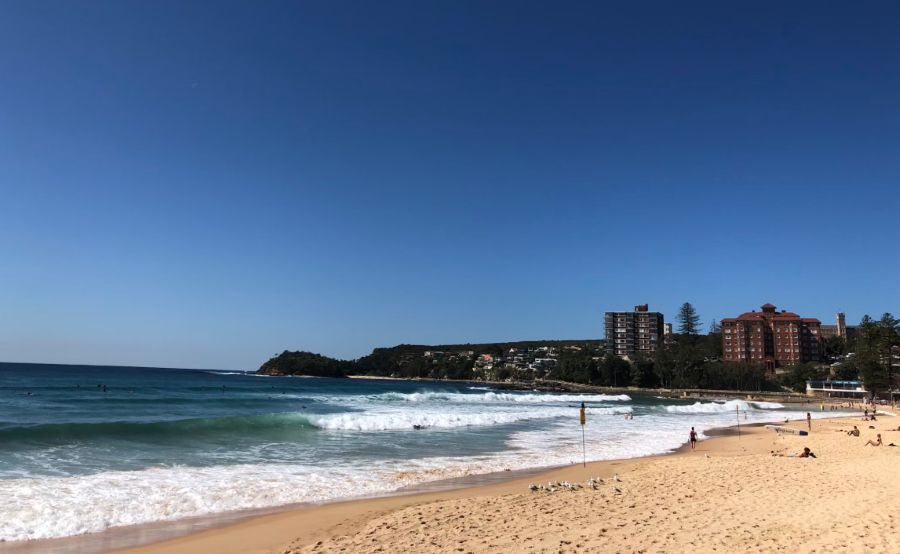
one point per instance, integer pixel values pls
(693, 438)
(809, 421)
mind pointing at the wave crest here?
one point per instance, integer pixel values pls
(492, 396)
(362, 421)
(722, 407)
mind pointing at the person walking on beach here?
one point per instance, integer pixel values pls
(693, 438)
(809, 421)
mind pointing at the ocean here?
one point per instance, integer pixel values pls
(86, 448)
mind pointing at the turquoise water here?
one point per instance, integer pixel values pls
(85, 448)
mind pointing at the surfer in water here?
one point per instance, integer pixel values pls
(693, 438)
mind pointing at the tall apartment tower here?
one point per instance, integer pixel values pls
(772, 338)
(634, 332)
(842, 325)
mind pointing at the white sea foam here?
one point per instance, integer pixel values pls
(58, 507)
(242, 373)
(766, 405)
(722, 407)
(407, 419)
(487, 397)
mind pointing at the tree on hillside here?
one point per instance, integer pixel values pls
(688, 320)
(866, 322)
(834, 347)
(305, 363)
(888, 337)
(615, 371)
(714, 327)
(874, 351)
(663, 366)
(889, 323)
(796, 376)
(846, 370)
(642, 374)
(872, 371)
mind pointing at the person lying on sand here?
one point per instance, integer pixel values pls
(807, 453)
(875, 442)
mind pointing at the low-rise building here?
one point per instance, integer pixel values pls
(837, 389)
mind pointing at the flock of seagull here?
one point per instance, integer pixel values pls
(593, 483)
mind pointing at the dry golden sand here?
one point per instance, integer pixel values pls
(729, 495)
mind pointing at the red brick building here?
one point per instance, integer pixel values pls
(772, 338)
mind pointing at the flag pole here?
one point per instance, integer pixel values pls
(583, 448)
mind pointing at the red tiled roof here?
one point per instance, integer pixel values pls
(752, 316)
(787, 315)
(783, 316)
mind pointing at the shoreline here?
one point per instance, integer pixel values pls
(307, 526)
(170, 536)
(745, 492)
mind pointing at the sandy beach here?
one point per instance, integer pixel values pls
(731, 493)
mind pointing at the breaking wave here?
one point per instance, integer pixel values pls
(508, 397)
(722, 407)
(399, 420)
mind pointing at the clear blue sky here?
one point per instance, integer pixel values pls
(199, 184)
